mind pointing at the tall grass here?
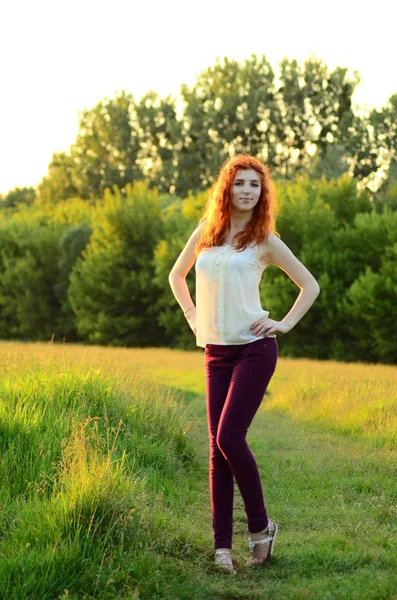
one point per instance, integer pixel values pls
(104, 478)
(82, 466)
(356, 399)
(353, 398)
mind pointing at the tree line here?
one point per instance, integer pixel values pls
(299, 118)
(85, 257)
(97, 271)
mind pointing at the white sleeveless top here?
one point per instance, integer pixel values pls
(227, 295)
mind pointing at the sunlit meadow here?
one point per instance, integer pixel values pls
(104, 478)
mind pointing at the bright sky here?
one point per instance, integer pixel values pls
(59, 57)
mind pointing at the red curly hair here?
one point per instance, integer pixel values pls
(216, 212)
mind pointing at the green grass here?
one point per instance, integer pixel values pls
(104, 479)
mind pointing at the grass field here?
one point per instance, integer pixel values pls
(104, 478)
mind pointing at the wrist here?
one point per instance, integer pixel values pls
(187, 313)
(288, 324)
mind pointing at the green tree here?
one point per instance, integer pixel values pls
(111, 286)
(60, 182)
(371, 305)
(106, 149)
(299, 120)
(387, 197)
(238, 107)
(315, 215)
(180, 219)
(29, 308)
(230, 109)
(104, 154)
(18, 196)
(71, 245)
(384, 123)
(160, 140)
(307, 225)
(331, 163)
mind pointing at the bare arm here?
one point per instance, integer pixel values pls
(281, 256)
(179, 272)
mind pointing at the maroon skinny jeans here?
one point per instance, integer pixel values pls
(236, 380)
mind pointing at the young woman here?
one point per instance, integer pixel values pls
(233, 244)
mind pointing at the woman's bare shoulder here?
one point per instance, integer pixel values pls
(266, 247)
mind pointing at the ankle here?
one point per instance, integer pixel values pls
(258, 535)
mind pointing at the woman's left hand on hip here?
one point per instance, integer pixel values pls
(268, 326)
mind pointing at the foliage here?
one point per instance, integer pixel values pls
(104, 154)
(299, 118)
(316, 217)
(29, 307)
(179, 220)
(71, 245)
(98, 271)
(26, 195)
(59, 183)
(111, 286)
(159, 133)
(371, 302)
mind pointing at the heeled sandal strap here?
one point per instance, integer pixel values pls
(269, 536)
(252, 543)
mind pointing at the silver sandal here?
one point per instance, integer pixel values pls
(223, 561)
(270, 537)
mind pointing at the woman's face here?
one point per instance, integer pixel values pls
(246, 189)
